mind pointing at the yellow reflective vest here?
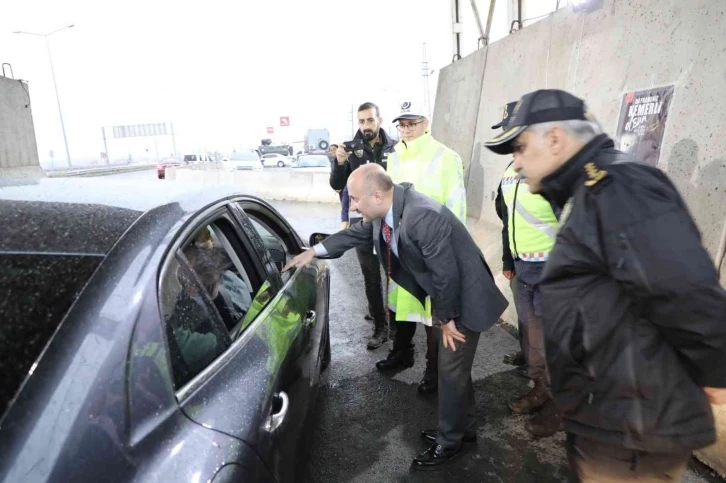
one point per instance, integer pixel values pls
(437, 172)
(532, 224)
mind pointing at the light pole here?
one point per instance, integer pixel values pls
(52, 71)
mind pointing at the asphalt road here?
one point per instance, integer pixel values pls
(366, 424)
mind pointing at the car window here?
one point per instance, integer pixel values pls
(36, 291)
(273, 243)
(207, 295)
(195, 333)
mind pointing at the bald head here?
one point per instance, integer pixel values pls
(371, 191)
(372, 178)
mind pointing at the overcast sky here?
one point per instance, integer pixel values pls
(223, 71)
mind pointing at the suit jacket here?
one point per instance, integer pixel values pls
(436, 257)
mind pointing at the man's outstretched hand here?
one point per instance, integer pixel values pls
(301, 260)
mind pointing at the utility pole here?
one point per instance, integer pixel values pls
(425, 73)
(55, 85)
(105, 145)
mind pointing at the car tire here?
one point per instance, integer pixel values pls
(280, 164)
(161, 176)
(323, 145)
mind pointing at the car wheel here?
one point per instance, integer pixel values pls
(161, 176)
(323, 145)
(280, 164)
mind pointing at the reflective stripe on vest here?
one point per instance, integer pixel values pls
(532, 224)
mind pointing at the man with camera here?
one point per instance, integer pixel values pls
(371, 144)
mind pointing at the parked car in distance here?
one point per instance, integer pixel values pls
(313, 162)
(165, 163)
(243, 160)
(276, 159)
(197, 158)
(149, 334)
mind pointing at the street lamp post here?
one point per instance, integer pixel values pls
(55, 84)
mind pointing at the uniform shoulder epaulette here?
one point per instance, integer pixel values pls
(594, 174)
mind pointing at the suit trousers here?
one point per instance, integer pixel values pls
(457, 407)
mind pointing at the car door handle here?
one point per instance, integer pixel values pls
(310, 318)
(276, 419)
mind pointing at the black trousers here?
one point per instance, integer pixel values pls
(371, 268)
(404, 338)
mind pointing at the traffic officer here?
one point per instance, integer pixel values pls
(634, 315)
(528, 237)
(436, 171)
(376, 146)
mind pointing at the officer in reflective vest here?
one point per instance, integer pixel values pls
(437, 172)
(530, 228)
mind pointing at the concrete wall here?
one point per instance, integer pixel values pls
(18, 150)
(274, 184)
(625, 46)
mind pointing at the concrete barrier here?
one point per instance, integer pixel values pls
(106, 170)
(274, 184)
(18, 150)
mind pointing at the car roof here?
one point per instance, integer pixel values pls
(86, 216)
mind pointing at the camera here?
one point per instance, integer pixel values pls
(354, 145)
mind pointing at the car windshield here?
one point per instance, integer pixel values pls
(314, 162)
(190, 157)
(36, 291)
(244, 156)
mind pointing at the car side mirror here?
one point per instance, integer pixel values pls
(316, 238)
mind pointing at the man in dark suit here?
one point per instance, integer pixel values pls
(426, 250)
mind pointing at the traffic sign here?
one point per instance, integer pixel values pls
(270, 130)
(284, 121)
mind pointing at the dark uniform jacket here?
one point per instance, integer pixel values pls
(634, 315)
(339, 174)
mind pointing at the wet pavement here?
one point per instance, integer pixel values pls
(366, 425)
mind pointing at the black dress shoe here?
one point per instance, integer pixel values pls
(429, 435)
(400, 359)
(434, 457)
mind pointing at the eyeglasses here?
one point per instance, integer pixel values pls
(411, 126)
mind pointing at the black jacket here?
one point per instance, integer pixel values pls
(634, 316)
(339, 174)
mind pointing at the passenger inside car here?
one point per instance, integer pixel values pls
(233, 297)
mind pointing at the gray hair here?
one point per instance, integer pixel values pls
(583, 131)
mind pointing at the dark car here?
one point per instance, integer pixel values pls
(150, 335)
